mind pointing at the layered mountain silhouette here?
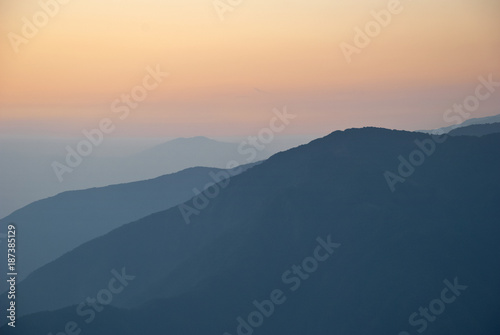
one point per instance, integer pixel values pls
(51, 227)
(469, 122)
(33, 173)
(477, 130)
(191, 150)
(390, 254)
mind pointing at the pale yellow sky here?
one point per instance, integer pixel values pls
(226, 76)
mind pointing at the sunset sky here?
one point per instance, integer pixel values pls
(225, 77)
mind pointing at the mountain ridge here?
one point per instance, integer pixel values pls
(80, 215)
(204, 275)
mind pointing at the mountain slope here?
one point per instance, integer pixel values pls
(396, 249)
(477, 130)
(469, 122)
(31, 171)
(51, 227)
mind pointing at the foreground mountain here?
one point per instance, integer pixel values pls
(49, 228)
(477, 130)
(312, 241)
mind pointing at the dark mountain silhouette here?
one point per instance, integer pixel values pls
(51, 227)
(477, 130)
(397, 249)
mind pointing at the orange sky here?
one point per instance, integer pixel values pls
(226, 76)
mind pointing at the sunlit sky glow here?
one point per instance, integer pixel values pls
(226, 77)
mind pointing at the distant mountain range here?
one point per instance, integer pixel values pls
(183, 153)
(381, 256)
(469, 122)
(476, 130)
(26, 178)
(51, 227)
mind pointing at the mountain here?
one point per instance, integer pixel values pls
(27, 172)
(51, 227)
(312, 241)
(194, 151)
(477, 130)
(469, 122)
(200, 144)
